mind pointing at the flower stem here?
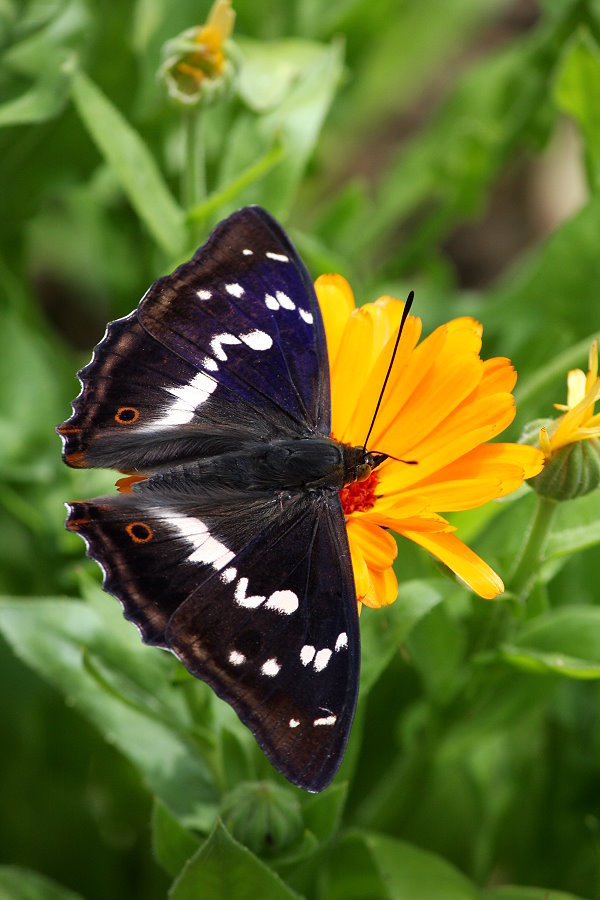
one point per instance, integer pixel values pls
(528, 564)
(193, 186)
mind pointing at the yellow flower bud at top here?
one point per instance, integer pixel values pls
(201, 63)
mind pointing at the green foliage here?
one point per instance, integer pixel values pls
(378, 133)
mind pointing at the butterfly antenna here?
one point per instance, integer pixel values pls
(405, 313)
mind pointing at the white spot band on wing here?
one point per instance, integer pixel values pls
(326, 720)
(271, 668)
(306, 316)
(236, 659)
(217, 344)
(204, 295)
(240, 595)
(284, 300)
(279, 257)
(321, 659)
(285, 602)
(257, 340)
(236, 290)
(187, 398)
(294, 723)
(206, 548)
(307, 654)
(342, 641)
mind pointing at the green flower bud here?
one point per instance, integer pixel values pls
(571, 472)
(201, 64)
(263, 816)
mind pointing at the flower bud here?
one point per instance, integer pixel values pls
(571, 472)
(201, 63)
(264, 817)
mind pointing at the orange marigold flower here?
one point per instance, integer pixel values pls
(441, 405)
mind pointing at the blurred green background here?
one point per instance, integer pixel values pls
(449, 146)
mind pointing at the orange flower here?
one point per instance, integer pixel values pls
(441, 405)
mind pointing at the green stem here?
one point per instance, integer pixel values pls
(193, 186)
(528, 564)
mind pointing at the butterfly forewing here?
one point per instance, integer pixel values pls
(248, 581)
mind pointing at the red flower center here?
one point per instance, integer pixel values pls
(358, 496)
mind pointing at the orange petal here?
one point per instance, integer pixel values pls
(347, 372)
(377, 546)
(336, 301)
(457, 556)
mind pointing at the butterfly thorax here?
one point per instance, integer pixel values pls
(313, 463)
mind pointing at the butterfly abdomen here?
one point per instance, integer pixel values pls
(264, 469)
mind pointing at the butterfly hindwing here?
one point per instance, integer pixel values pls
(253, 615)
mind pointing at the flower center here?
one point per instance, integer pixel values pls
(359, 496)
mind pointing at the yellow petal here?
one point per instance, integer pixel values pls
(469, 567)
(378, 547)
(336, 302)
(347, 373)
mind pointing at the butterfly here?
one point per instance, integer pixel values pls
(227, 544)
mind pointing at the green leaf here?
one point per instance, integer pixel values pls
(222, 868)
(577, 527)
(577, 93)
(41, 101)
(22, 884)
(293, 112)
(123, 148)
(383, 630)
(513, 892)
(323, 812)
(564, 641)
(366, 864)
(50, 636)
(172, 844)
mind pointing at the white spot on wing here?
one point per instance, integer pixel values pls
(294, 723)
(342, 641)
(235, 289)
(271, 668)
(271, 302)
(285, 602)
(206, 548)
(307, 654)
(321, 659)
(280, 257)
(204, 295)
(217, 344)
(284, 300)
(326, 720)
(209, 363)
(187, 398)
(240, 595)
(236, 659)
(247, 252)
(257, 340)
(227, 575)
(306, 316)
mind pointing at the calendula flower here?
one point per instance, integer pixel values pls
(201, 62)
(441, 406)
(571, 443)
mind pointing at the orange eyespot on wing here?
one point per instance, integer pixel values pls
(127, 415)
(139, 532)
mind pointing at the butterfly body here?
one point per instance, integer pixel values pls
(232, 551)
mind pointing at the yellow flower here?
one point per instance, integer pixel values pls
(579, 423)
(441, 405)
(201, 62)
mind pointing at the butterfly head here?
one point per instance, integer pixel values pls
(360, 463)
